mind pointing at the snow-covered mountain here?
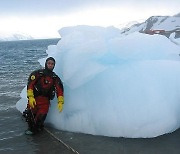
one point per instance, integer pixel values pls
(13, 37)
(163, 25)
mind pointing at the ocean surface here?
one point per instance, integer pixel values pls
(17, 60)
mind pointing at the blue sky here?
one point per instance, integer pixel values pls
(43, 18)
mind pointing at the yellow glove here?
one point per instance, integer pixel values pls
(32, 102)
(60, 103)
(30, 95)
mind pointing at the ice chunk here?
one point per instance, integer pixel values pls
(116, 85)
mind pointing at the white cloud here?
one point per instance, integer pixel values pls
(45, 18)
(37, 27)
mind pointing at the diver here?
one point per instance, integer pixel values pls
(41, 88)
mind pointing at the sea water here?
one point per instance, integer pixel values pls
(17, 60)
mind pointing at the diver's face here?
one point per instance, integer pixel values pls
(50, 64)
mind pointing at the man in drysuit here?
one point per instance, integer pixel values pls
(41, 88)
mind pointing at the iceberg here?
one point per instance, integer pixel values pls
(115, 85)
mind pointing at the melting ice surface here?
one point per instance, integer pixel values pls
(115, 85)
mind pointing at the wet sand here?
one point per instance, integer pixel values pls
(13, 140)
